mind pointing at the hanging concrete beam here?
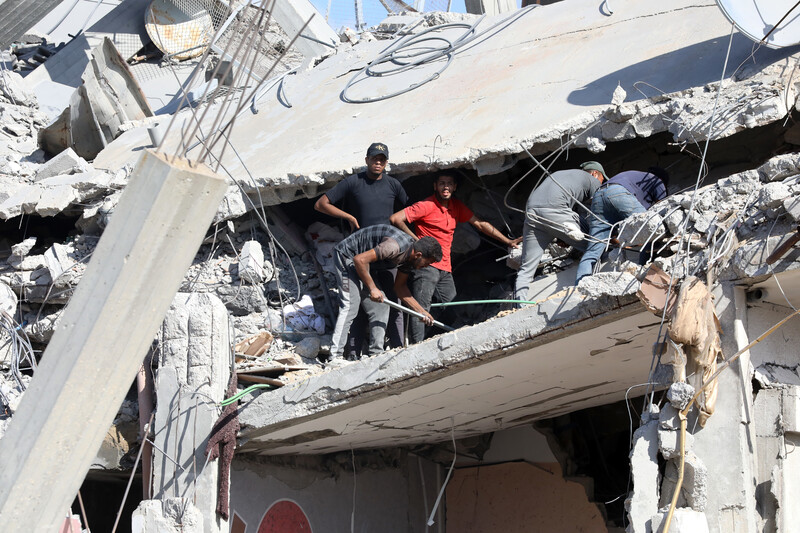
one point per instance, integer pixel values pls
(104, 335)
(291, 16)
(489, 7)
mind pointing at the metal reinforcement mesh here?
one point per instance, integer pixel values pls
(183, 28)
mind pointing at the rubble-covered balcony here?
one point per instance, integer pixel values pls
(580, 348)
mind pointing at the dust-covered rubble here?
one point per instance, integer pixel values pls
(730, 226)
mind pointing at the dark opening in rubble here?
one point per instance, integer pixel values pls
(47, 230)
(595, 443)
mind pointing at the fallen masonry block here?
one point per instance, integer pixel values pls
(683, 521)
(54, 200)
(58, 260)
(251, 263)
(308, 348)
(694, 491)
(66, 162)
(22, 249)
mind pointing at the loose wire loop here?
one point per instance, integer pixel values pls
(417, 50)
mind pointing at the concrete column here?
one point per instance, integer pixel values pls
(103, 337)
(292, 14)
(727, 443)
(193, 372)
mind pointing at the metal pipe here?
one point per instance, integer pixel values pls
(414, 313)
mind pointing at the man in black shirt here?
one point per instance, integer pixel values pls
(366, 199)
(368, 196)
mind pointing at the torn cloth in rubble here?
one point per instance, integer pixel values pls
(222, 444)
(302, 317)
(694, 329)
(693, 345)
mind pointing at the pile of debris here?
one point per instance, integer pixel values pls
(725, 227)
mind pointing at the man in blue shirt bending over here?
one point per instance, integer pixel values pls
(623, 195)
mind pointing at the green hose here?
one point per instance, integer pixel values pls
(245, 392)
(468, 302)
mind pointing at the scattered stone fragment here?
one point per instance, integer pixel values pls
(642, 228)
(308, 348)
(20, 250)
(67, 162)
(772, 195)
(680, 394)
(251, 263)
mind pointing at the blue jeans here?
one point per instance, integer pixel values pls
(611, 204)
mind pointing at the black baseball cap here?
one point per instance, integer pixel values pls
(378, 148)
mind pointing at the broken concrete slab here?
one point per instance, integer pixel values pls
(65, 162)
(251, 263)
(24, 200)
(54, 200)
(108, 97)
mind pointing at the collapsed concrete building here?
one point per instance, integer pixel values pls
(561, 416)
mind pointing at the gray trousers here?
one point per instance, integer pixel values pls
(427, 283)
(350, 290)
(535, 238)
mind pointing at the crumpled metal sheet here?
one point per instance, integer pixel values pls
(108, 98)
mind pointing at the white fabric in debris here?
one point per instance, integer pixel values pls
(301, 316)
(8, 300)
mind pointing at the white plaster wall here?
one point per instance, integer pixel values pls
(783, 346)
(386, 498)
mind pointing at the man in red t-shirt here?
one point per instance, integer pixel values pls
(437, 216)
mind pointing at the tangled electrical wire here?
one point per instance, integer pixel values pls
(423, 49)
(14, 341)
